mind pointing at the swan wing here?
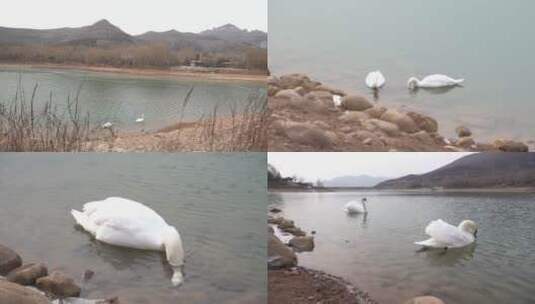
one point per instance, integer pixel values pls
(446, 234)
(431, 242)
(439, 80)
(130, 232)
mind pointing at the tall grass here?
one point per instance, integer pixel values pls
(24, 127)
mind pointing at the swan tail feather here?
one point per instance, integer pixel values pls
(83, 220)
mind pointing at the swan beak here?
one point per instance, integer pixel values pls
(475, 234)
(177, 278)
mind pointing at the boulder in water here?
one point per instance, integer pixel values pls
(9, 260)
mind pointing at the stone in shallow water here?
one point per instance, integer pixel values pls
(9, 260)
(15, 293)
(27, 274)
(59, 285)
(425, 300)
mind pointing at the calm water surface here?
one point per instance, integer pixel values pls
(121, 99)
(376, 251)
(215, 200)
(490, 44)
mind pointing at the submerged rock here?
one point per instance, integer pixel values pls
(280, 255)
(59, 285)
(27, 274)
(302, 243)
(86, 301)
(11, 293)
(9, 260)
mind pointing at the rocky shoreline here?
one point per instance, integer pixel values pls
(290, 283)
(31, 283)
(305, 117)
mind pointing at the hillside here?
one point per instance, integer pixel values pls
(482, 170)
(101, 32)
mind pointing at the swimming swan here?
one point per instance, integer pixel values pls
(141, 119)
(353, 207)
(107, 125)
(444, 235)
(122, 222)
(375, 80)
(433, 81)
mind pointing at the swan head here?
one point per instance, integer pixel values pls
(413, 83)
(174, 253)
(469, 226)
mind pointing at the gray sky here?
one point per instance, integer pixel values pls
(136, 17)
(314, 165)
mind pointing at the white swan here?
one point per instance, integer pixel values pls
(353, 207)
(433, 81)
(141, 119)
(375, 80)
(337, 100)
(444, 235)
(107, 125)
(122, 222)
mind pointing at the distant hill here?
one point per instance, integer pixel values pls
(100, 33)
(482, 170)
(354, 181)
(222, 38)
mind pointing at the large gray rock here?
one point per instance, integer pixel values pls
(376, 111)
(424, 122)
(302, 243)
(297, 80)
(11, 293)
(510, 146)
(280, 255)
(386, 127)
(353, 116)
(288, 94)
(309, 134)
(404, 121)
(356, 103)
(329, 89)
(59, 285)
(9, 260)
(27, 274)
(320, 95)
(465, 142)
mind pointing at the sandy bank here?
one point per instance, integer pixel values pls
(216, 75)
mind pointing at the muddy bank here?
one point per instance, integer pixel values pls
(310, 116)
(245, 133)
(290, 283)
(198, 73)
(300, 285)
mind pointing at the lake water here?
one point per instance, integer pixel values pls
(121, 99)
(490, 44)
(216, 201)
(376, 252)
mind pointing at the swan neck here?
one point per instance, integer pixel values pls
(173, 247)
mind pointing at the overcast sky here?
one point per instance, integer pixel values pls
(312, 166)
(136, 17)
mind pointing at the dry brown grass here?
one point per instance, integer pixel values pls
(23, 127)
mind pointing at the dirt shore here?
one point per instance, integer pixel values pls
(310, 116)
(302, 286)
(221, 75)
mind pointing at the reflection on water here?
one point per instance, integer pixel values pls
(484, 42)
(215, 201)
(376, 251)
(121, 99)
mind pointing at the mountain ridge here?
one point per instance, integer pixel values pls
(481, 170)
